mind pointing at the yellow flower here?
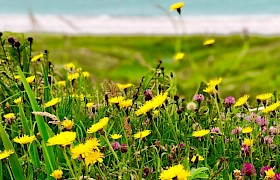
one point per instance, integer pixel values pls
(269, 173)
(85, 74)
(209, 42)
(210, 89)
(154, 103)
(271, 107)
(126, 103)
(156, 112)
(6, 154)
(175, 172)
(25, 139)
(18, 100)
(67, 124)
(142, 134)
(201, 133)
(69, 66)
(99, 125)
(116, 100)
(200, 158)
(248, 142)
(176, 6)
(264, 97)
(61, 83)
(215, 82)
(93, 157)
(116, 136)
(52, 102)
(63, 139)
(84, 149)
(124, 86)
(10, 116)
(57, 174)
(37, 57)
(71, 77)
(30, 79)
(88, 105)
(179, 56)
(241, 101)
(247, 130)
(17, 77)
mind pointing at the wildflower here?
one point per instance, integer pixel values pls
(175, 172)
(210, 89)
(25, 139)
(248, 169)
(17, 77)
(79, 70)
(200, 158)
(116, 100)
(18, 100)
(271, 107)
(123, 148)
(264, 169)
(247, 130)
(229, 101)
(10, 116)
(115, 145)
(261, 121)
(237, 130)
(30, 79)
(67, 124)
(177, 7)
(201, 133)
(69, 66)
(215, 130)
(264, 97)
(236, 173)
(37, 57)
(142, 134)
(179, 56)
(191, 106)
(209, 42)
(63, 139)
(61, 83)
(125, 103)
(241, 101)
(99, 125)
(5, 154)
(148, 95)
(124, 86)
(116, 136)
(57, 174)
(269, 174)
(198, 97)
(277, 176)
(215, 82)
(52, 102)
(248, 142)
(93, 157)
(71, 77)
(85, 74)
(85, 149)
(268, 140)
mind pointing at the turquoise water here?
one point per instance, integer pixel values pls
(139, 7)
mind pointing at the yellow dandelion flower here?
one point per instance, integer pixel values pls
(92, 158)
(18, 100)
(248, 142)
(269, 173)
(200, 158)
(71, 77)
(209, 42)
(25, 139)
(126, 103)
(142, 134)
(61, 83)
(179, 56)
(247, 130)
(10, 116)
(264, 97)
(84, 149)
(85, 74)
(271, 107)
(201, 133)
(5, 154)
(99, 125)
(57, 174)
(69, 66)
(241, 101)
(88, 105)
(116, 136)
(67, 124)
(176, 6)
(52, 102)
(175, 172)
(124, 86)
(37, 57)
(116, 100)
(30, 79)
(63, 139)
(210, 89)
(215, 82)
(17, 77)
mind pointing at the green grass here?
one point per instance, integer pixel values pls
(246, 68)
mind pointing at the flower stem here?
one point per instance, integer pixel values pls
(68, 163)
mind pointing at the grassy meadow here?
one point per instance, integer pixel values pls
(60, 119)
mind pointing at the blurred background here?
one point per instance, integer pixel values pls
(122, 40)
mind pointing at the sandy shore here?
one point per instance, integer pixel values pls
(102, 25)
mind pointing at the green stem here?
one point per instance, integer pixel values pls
(110, 147)
(68, 163)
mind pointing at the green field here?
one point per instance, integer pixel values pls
(247, 66)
